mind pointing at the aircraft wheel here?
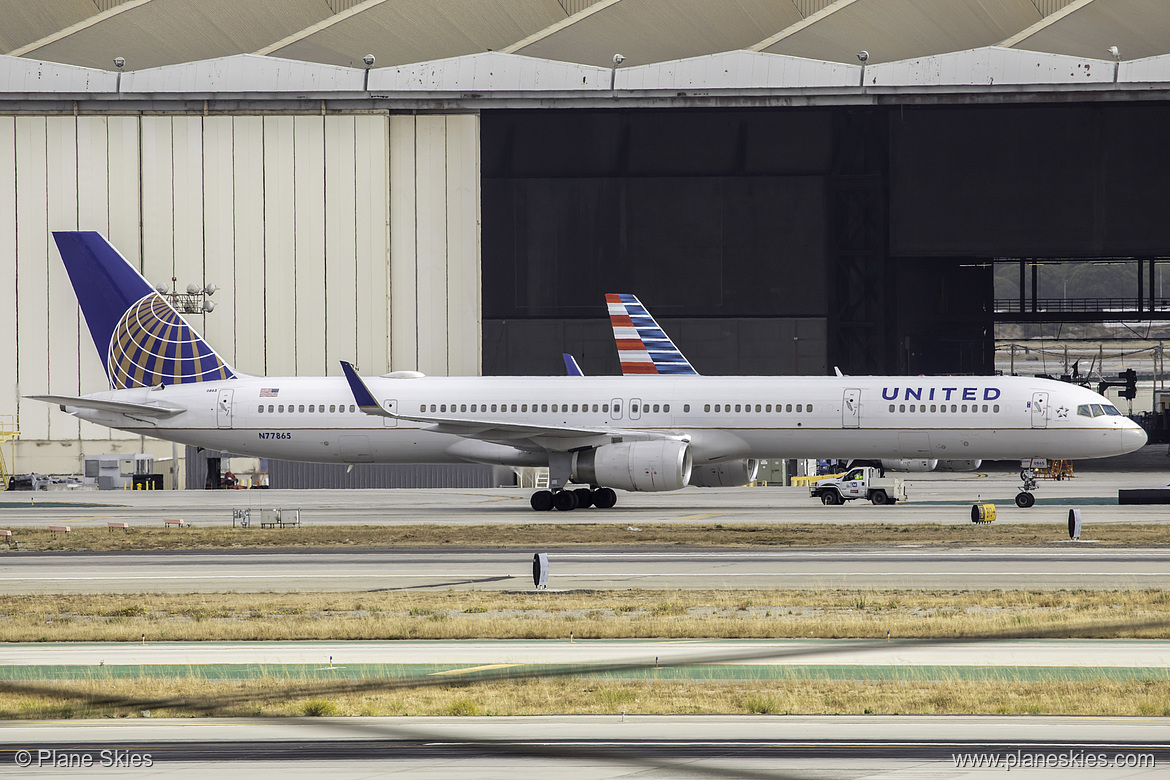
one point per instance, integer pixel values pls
(879, 497)
(584, 498)
(542, 500)
(565, 500)
(1025, 500)
(604, 498)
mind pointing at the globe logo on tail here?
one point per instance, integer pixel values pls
(153, 345)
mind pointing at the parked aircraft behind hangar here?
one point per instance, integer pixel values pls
(643, 433)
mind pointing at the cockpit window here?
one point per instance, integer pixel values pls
(1083, 410)
(1097, 410)
(1111, 410)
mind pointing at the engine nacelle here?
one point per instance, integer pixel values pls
(959, 465)
(909, 464)
(645, 466)
(730, 474)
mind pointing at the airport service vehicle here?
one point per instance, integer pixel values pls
(636, 433)
(864, 482)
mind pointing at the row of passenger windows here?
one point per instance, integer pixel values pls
(764, 408)
(1096, 410)
(634, 408)
(481, 408)
(955, 408)
(300, 408)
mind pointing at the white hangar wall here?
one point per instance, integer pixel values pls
(340, 236)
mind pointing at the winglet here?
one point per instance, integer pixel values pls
(361, 393)
(571, 367)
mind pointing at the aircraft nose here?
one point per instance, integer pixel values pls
(1133, 437)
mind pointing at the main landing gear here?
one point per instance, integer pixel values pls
(568, 500)
(1024, 498)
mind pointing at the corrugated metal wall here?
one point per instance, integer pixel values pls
(289, 215)
(290, 474)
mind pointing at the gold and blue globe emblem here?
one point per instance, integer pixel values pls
(152, 345)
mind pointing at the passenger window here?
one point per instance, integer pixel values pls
(911, 407)
(301, 408)
(901, 408)
(686, 408)
(985, 408)
(544, 407)
(737, 407)
(352, 408)
(891, 407)
(574, 407)
(280, 408)
(788, 407)
(270, 408)
(933, 408)
(964, 408)
(605, 408)
(799, 408)
(995, 408)
(718, 407)
(432, 408)
(954, 407)
(656, 407)
(442, 407)
(808, 408)
(706, 407)
(617, 408)
(666, 407)
(260, 409)
(422, 407)
(768, 408)
(595, 407)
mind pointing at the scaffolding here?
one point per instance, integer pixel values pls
(9, 432)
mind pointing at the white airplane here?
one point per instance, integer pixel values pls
(645, 348)
(634, 433)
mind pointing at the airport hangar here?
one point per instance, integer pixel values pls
(462, 205)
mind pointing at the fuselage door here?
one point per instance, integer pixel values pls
(223, 408)
(851, 408)
(1039, 410)
(392, 407)
(635, 408)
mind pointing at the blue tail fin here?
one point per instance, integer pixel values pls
(141, 340)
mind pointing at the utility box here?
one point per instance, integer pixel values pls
(119, 472)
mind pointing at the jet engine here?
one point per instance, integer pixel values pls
(909, 464)
(733, 473)
(959, 465)
(641, 465)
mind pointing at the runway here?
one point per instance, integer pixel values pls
(934, 498)
(840, 658)
(597, 747)
(493, 569)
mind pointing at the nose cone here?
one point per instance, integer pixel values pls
(1132, 437)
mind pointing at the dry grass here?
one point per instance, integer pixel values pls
(596, 615)
(604, 534)
(587, 696)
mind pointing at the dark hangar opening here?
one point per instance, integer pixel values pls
(790, 241)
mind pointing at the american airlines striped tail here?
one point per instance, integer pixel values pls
(643, 347)
(142, 340)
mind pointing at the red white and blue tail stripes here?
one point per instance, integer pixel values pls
(643, 348)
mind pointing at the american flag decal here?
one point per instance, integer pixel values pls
(269, 392)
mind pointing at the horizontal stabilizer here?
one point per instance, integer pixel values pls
(117, 407)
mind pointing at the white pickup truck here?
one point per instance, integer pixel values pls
(860, 482)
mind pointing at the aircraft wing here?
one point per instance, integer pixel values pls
(117, 407)
(556, 437)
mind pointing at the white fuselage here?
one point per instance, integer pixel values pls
(724, 418)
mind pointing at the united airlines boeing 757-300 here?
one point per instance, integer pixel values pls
(639, 433)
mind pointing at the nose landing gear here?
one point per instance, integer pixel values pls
(1024, 498)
